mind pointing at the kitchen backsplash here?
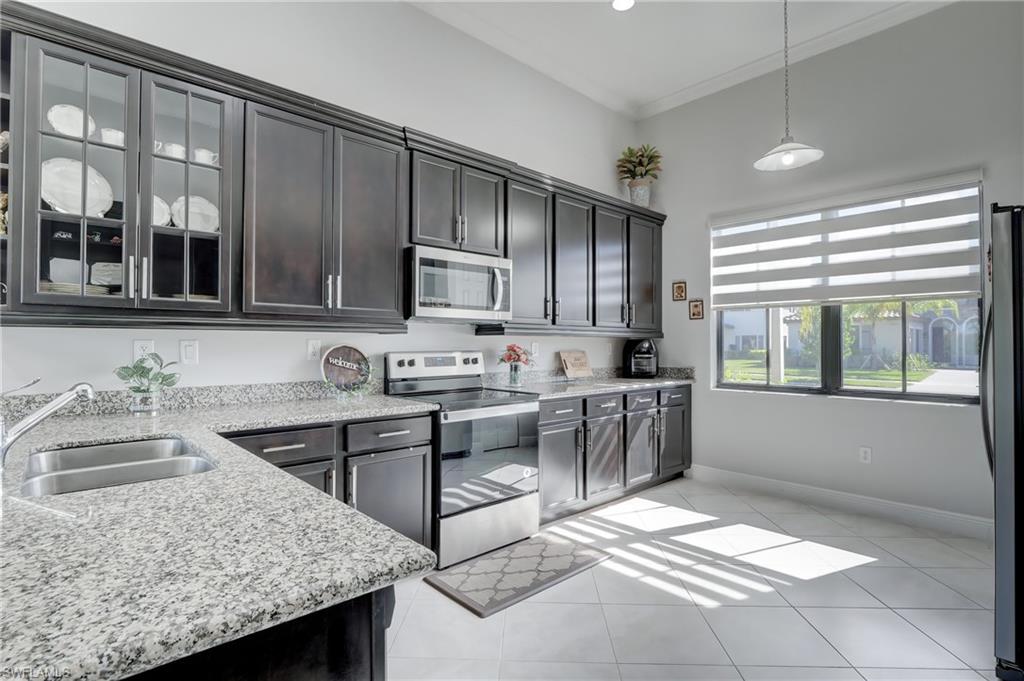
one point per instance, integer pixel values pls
(15, 407)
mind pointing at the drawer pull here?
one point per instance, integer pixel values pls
(564, 411)
(672, 397)
(641, 400)
(283, 448)
(608, 405)
(394, 433)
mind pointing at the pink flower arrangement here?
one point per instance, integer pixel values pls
(515, 354)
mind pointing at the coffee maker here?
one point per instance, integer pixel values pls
(640, 358)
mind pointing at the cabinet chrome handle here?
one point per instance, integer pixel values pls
(283, 448)
(590, 438)
(330, 292)
(564, 411)
(145, 277)
(131, 277)
(465, 229)
(558, 308)
(578, 434)
(394, 433)
(623, 315)
(337, 300)
(332, 482)
(608, 405)
(547, 308)
(353, 485)
(672, 397)
(644, 400)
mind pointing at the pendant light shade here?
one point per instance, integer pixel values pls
(789, 154)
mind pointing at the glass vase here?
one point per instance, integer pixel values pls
(515, 373)
(145, 403)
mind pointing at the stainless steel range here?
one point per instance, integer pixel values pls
(485, 476)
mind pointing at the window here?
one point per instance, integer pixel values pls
(877, 297)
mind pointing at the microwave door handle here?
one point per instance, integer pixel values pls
(500, 298)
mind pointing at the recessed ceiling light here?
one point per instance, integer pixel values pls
(622, 5)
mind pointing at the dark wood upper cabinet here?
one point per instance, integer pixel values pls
(436, 201)
(371, 199)
(530, 234)
(483, 212)
(189, 183)
(573, 255)
(641, 446)
(604, 456)
(78, 246)
(610, 236)
(289, 177)
(644, 275)
(457, 206)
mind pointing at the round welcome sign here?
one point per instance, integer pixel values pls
(345, 367)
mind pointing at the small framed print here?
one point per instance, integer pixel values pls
(678, 290)
(697, 309)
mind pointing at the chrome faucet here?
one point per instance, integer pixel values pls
(80, 391)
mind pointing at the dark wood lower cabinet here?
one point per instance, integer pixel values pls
(319, 474)
(604, 456)
(561, 467)
(345, 642)
(674, 448)
(393, 488)
(641, 446)
(587, 462)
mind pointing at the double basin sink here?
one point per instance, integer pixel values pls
(75, 469)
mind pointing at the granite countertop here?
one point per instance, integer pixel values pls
(580, 387)
(106, 583)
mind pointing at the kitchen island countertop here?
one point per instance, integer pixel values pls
(106, 583)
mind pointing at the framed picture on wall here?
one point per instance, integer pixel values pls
(696, 309)
(678, 290)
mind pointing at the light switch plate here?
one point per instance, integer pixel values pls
(534, 349)
(313, 349)
(188, 351)
(141, 348)
(865, 454)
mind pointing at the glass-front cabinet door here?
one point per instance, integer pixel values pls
(81, 180)
(186, 195)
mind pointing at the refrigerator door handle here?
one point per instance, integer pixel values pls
(986, 421)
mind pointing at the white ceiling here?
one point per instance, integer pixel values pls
(661, 54)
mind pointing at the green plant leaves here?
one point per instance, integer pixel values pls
(147, 374)
(639, 163)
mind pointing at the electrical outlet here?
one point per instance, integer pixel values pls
(313, 349)
(865, 454)
(534, 349)
(141, 348)
(188, 351)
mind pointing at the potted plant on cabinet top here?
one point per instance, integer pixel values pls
(146, 379)
(639, 168)
(515, 356)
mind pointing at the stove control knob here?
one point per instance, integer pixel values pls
(476, 360)
(412, 362)
(401, 362)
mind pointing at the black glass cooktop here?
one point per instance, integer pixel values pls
(473, 399)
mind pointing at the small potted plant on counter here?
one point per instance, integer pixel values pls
(146, 379)
(515, 356)
(639, 168)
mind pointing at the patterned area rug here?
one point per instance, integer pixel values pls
(496, 580)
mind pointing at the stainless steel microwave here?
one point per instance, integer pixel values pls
(450, 284)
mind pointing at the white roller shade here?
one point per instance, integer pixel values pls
(916, 245)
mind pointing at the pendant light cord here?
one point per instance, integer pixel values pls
(785, 55)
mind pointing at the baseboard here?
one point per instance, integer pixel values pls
(937, 520)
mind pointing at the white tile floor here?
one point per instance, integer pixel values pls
(708, 583)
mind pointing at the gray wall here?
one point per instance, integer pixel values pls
(934, 95)
(388, 60)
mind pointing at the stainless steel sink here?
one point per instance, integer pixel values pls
(74, 469)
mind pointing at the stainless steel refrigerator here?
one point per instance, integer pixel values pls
(1002, 400)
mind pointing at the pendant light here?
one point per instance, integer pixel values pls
(789, 154)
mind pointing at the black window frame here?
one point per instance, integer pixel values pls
(831, 363)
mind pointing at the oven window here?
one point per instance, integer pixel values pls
(446, 284)
(487, 460)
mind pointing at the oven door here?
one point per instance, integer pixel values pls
(485, 456)
(457, 285)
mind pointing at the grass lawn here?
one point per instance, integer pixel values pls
(753, 371)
